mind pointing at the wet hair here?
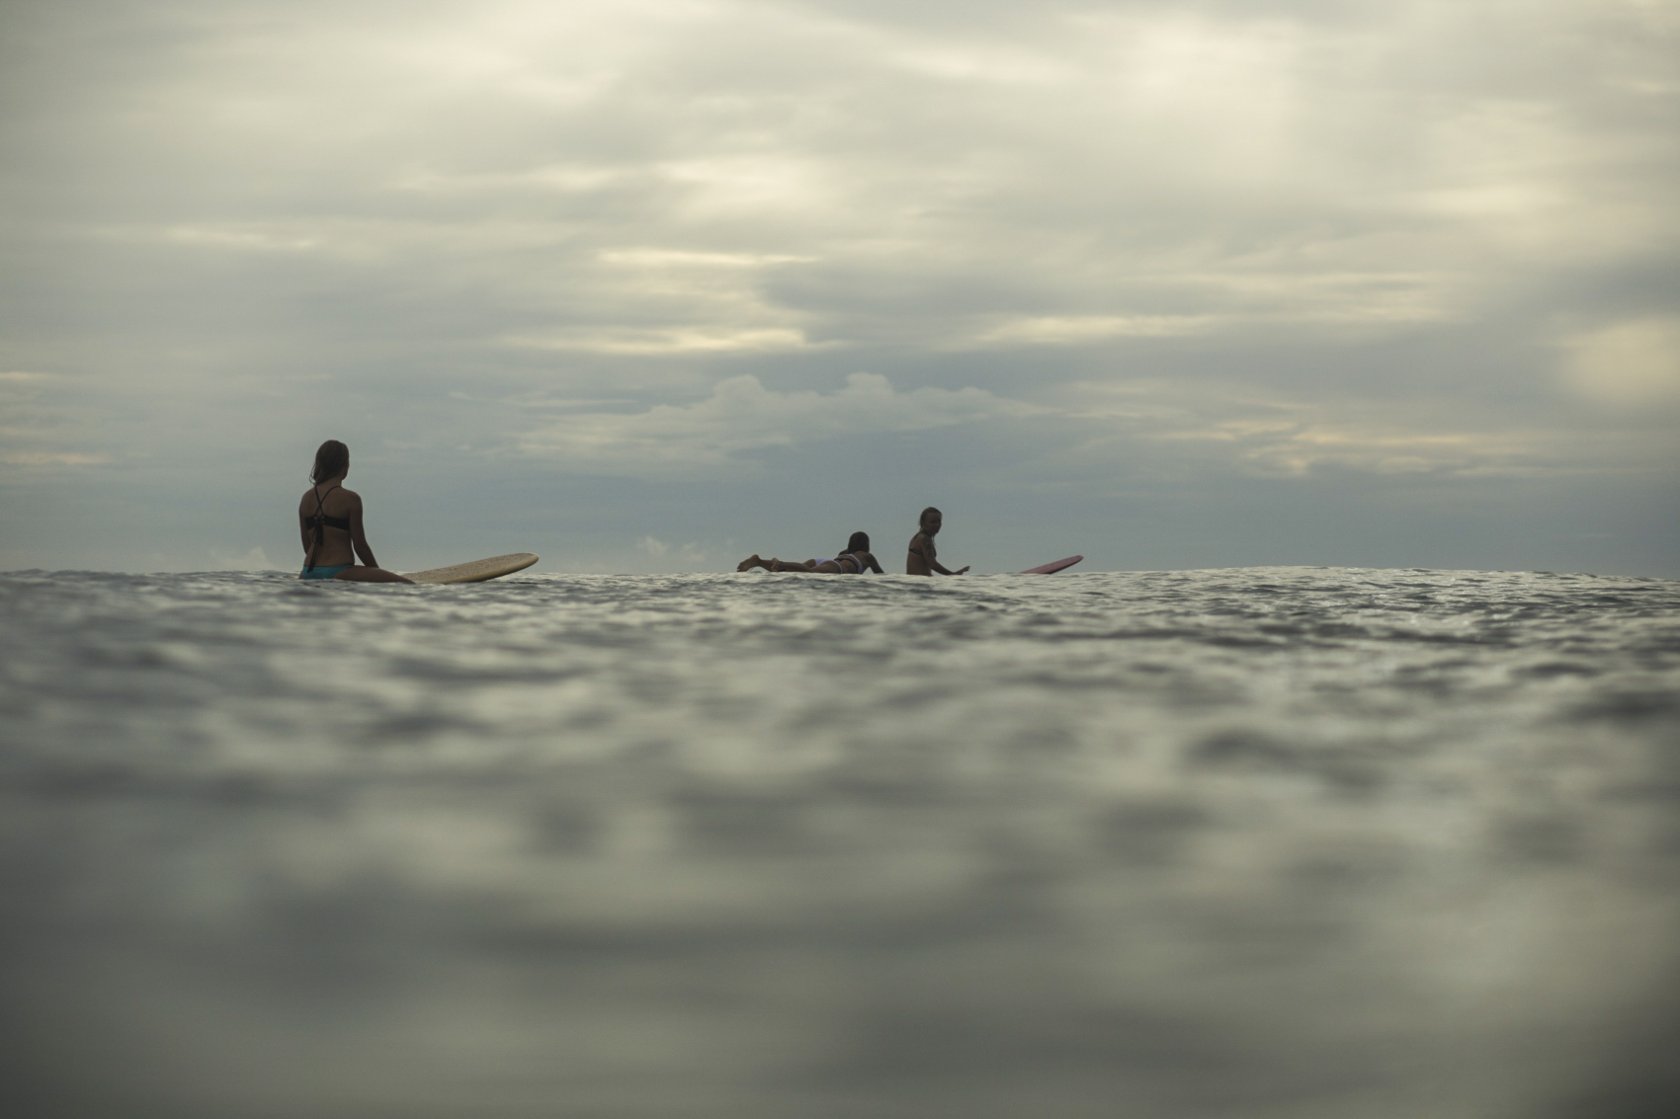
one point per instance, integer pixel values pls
(858, 543)
(925, 512)
(331, 460)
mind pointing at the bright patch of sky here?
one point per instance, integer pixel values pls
(644, 284)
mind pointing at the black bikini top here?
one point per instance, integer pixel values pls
(320, 518)
(320, 522)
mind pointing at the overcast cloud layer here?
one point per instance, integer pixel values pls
(650, 285)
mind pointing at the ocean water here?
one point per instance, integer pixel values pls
(1262, 842)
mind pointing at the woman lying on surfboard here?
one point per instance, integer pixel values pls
(330, 518)
(855, 560)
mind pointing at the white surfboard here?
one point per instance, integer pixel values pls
(477, 571)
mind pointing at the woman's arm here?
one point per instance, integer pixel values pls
(358, 536)
(930, 556)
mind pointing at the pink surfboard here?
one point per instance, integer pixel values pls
(1052, 568)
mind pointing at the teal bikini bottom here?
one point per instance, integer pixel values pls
(322, 572)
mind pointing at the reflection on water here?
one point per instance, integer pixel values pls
(1268, 842)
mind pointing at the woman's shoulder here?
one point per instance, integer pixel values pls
(337, 496)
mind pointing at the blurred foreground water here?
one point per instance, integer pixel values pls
(1264, 842)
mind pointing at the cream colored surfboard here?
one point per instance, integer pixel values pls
(477, 571)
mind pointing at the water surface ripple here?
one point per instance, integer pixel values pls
(1260, 842)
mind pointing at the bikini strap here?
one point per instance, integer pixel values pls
(320, 524)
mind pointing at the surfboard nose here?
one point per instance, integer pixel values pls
(476, 571)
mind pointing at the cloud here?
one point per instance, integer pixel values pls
(659, 550)
(1631, 364)
(1294, 240)
(1239, 429)
(666, 341)
(51, 458)
(741, 417)
(254, 560)
(1299, 449)
(716, 178)
(1077, 330)
(41, 426)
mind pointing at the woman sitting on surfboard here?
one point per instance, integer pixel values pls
(924, 557)
(330, 518)
(855, 560)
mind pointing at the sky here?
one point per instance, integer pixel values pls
(648, 285)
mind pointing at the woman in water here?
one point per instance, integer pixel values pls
(924, 557)
(330, 518)
(855, 560)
